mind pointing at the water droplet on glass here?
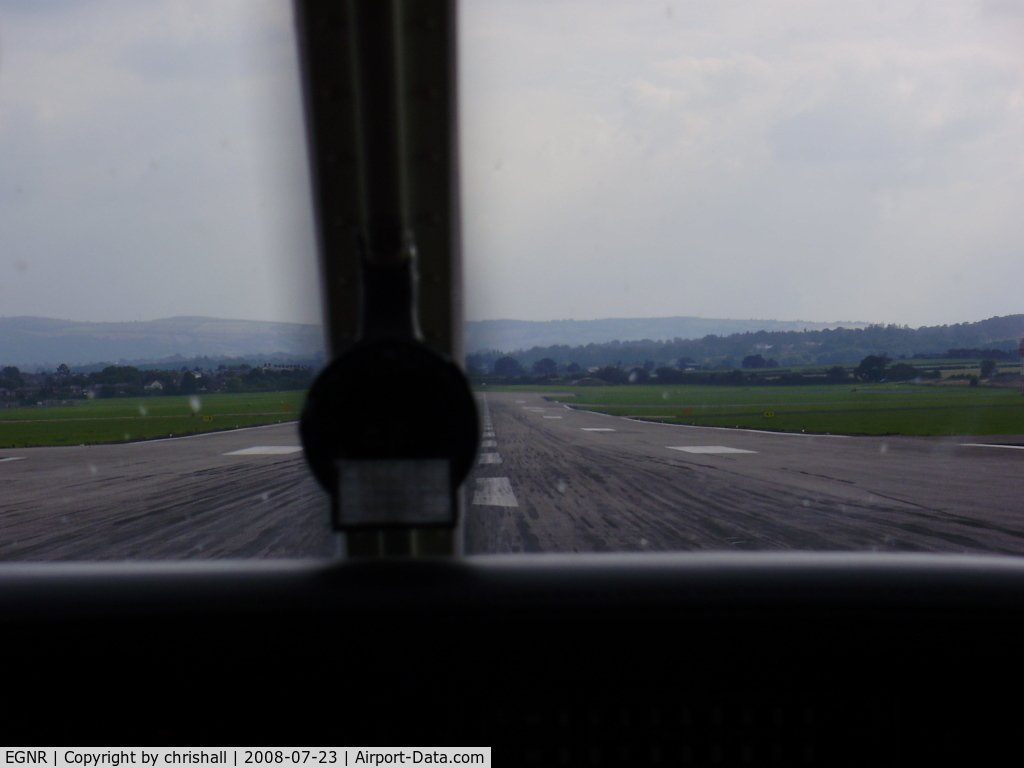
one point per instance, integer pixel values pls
(194, 404)
(143, 410)
(93, 469)
(561, 486)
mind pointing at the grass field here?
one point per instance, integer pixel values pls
(118, 420)
(874, 409)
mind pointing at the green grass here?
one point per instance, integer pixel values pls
(879, 409)
(118, 420)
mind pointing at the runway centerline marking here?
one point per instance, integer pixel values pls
(489, 458)
(265, 450)
(597, 429)
(707, 449)
(13, 458)
(489, 444)
(552, 417)
(494, 492)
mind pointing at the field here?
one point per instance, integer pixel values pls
(119, 420)
(872, 409)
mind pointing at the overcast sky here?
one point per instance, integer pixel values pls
(789, 160)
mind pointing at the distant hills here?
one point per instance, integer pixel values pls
(828, 346)
(30, 342)
(36, 342)
(509, 335)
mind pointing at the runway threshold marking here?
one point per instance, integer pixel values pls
(489, 458)
(707, 449)
(597, 429)
(265, 450)
(494, 492)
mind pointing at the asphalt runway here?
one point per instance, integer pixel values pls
(549, 479)
(552, 479)
(189, 497)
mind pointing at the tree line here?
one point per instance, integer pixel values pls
(997, 338)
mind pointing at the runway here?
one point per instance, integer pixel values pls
(217, 495)
(548, 479)
(561, 480)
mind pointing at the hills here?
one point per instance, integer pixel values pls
(828, 346)
(509, 335)
(30, 342)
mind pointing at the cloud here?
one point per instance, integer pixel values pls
(791, 159)
(154, 162)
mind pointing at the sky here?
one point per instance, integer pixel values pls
(777, 159)
(785, 159)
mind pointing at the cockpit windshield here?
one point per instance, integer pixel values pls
(736, 276)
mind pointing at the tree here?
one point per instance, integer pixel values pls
(754, 361)
(574, 368)
(639, 376)
(901, 372)
(611, 374)
(507, 366)
(188, 385)
(872, 368)
(988, 368)
(835, 374)
(545, 367)
(10, 378)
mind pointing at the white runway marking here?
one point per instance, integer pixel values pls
(265, 450)
(13, 458)
(489, 444)
(992, 445)
(531, 408)
(494, 492)
(520, 401)
(488, 433)
(707, 449)
(490, 458)
(733, 429)
(597, 429)
(552, 417)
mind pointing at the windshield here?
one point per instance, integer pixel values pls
(744, 275)
(737, 276)
(161, 319)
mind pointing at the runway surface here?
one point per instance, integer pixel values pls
(548, 479)
(222, 494)
(556, 479)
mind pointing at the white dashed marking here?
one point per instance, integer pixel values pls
(265, 450)
(597, 429)
(707, 449)
(488, 433)
(489, 458)
(552, 417)
(494, 492)
(489, 444)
